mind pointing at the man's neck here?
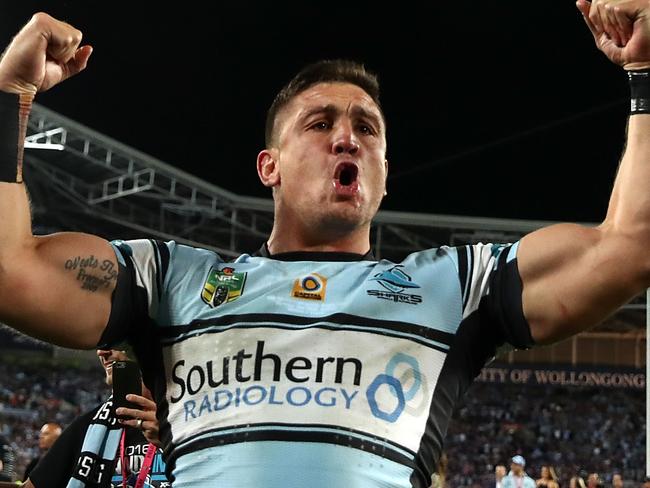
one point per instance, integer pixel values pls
(281, 248)
(283, 240)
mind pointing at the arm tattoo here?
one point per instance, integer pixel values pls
(91, 273)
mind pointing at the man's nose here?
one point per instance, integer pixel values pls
(345, 140)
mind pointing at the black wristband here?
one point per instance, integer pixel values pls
(639, 91)
(9, 136)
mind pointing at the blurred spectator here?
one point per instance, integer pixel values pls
(3, 477)
(438, 479)
(499, 473)
(617, 480)
(47, 436)
(593, 481)
(7, 460)
(548, 478)
(517, 477)
(577, 482)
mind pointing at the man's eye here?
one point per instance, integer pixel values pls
(366, 129)
(321, 125)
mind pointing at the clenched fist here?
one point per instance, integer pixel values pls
(45, 52)
(621, 29)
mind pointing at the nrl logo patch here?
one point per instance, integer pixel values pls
(222, 286)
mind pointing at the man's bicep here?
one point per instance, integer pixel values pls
(59, 289)
(573, 278)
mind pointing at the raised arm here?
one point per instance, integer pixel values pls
(574, 277)
(57, 288)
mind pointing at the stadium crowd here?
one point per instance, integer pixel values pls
(576, 430)
(32, 395)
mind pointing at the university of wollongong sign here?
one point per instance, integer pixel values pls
(562, 375)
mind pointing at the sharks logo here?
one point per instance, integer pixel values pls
(395, 281)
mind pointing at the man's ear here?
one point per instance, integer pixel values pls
(268, 168)
(385, 176)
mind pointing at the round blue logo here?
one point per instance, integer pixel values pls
(395, 386)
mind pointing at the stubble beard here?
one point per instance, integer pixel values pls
(325, 218)
(339, 222)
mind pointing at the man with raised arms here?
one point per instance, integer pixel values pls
(309, 362)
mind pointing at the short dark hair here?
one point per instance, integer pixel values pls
(327, 71)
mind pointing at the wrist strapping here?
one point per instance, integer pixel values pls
(14, 113)
(639, 91)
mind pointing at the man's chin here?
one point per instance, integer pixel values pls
(343, 220)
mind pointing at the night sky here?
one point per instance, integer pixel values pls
(495, 108)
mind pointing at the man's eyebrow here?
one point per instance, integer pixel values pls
(332, 110)
(321, 109)
(367, 114)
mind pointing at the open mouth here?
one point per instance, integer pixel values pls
(346, 173)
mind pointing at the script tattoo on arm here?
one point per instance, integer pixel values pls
(91, 273)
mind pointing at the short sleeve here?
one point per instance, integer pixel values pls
(491, 287)
(142, 265)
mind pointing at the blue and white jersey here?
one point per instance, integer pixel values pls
(311, 369)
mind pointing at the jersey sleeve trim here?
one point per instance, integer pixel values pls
(504, 303)
(491, 285)
(142, 266)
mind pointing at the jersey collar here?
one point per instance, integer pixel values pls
(313, 256)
